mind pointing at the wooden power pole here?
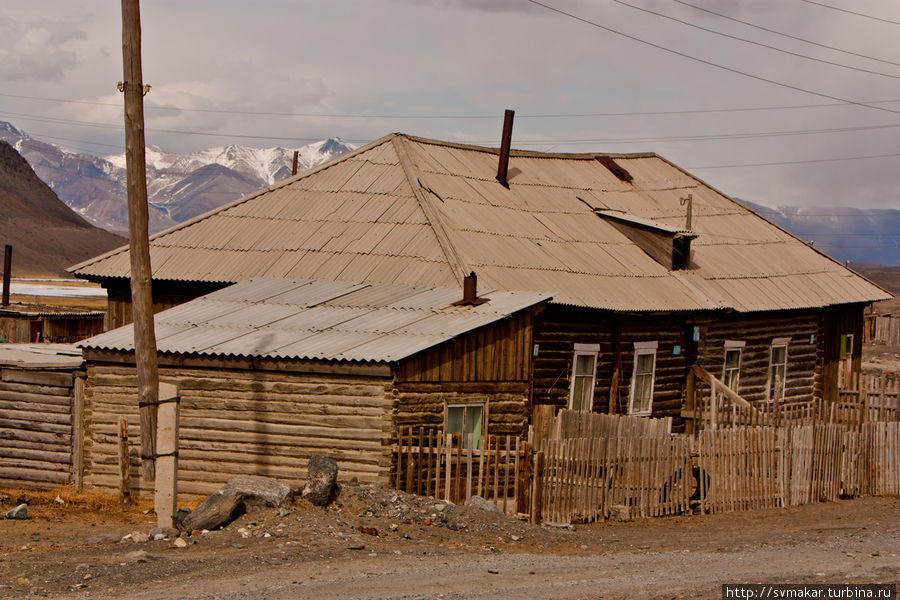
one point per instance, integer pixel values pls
(139, 242)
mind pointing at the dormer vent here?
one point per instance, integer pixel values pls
(616, 170)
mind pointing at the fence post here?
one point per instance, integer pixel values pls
(537, 489)
(165, 499)
(124, 464)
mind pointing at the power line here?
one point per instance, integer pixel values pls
(787, 35)
(708, 62)
(793, 162)
(850, 12)
(678, 138)
(760, 44)
(461, 117)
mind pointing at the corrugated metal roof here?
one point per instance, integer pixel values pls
(315, 319)
(358, 218)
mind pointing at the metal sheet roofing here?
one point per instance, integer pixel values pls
(318, 319)
(368, 216)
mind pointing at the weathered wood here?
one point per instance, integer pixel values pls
(138, 236)
(124, 465)
(37, 377)
(78, 433)
(165, 500)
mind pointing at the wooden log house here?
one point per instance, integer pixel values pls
(272, 371)
(651, 269)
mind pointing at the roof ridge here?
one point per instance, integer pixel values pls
(525, 153)
(457, 265)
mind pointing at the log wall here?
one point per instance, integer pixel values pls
(243, 422)
(804, 365)
(506, 404)
(36, 433)
(559, 328)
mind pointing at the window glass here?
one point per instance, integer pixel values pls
(465, 419)
(583, 381)
(642, 381)
(777, 372)
(732, 368)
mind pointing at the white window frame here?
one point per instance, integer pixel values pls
(777, 343)
(592, 350)
(847, 343)
(465, 404)
(643, 349)
(732, 346)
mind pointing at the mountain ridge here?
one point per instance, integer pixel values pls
(46, 235)
(179, 186)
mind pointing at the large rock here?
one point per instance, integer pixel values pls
(321, 476)
(19, 512)
(235, 498)
(481, 503)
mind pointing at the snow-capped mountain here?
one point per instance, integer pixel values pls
(179, 186)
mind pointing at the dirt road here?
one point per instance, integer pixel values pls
(425, 550)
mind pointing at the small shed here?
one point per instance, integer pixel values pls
(40, 407)
(32, 323)
(272, 371)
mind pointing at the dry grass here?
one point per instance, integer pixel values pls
(66, 497)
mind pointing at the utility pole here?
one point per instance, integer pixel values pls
(139, 242)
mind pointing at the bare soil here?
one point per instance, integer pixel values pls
(377, 543)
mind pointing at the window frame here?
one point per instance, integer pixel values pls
(733, 346)
(777, 343)
(643, 349)
(592, 350)
(846, 350)
(464, 404)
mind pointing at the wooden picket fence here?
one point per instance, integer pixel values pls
(450, 467)
(738, 469)
(584, 478)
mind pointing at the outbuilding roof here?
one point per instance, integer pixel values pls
(314, 319)
(416, 211)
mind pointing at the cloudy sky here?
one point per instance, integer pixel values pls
(781, 102)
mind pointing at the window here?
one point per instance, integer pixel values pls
(731, 372)
(584, 371)
(847, 346)
(465, 419)
(642, 379)
(777, 369)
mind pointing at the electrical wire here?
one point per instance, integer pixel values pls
(760, 44)
(709, 62)
(793, 162)
(850, 12)
(787, 35)
(461, 117)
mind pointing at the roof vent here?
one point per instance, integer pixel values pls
(470, 292)
(503, 165)
(618, 171)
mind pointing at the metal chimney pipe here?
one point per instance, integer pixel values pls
(503, 165)
(294, 166)
(470, 292)
(7, 273)
(470, 288)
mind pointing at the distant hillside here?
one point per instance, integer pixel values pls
(179, 186)
(46, 235)
(858, 235)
